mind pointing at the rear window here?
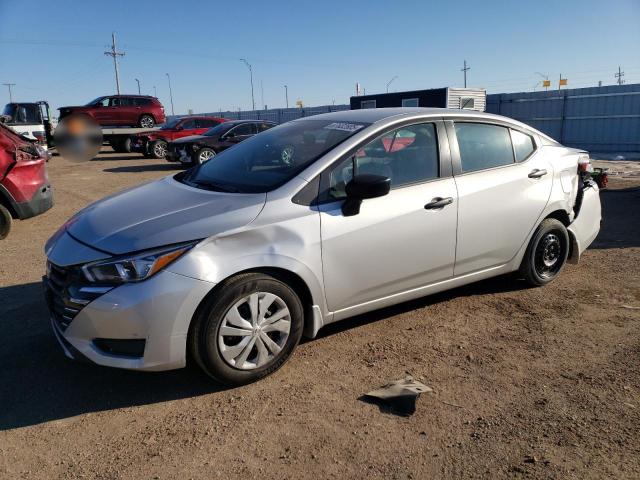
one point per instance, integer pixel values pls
(141, 101)
(523, 145)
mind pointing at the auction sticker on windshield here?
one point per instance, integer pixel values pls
(344, 126)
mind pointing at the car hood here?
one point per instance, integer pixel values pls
(160, 213)
(190, 139)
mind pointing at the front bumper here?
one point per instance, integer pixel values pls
(158, 310)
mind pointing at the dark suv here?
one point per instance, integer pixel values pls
(121, 110)
(199, 149)
(154, 144)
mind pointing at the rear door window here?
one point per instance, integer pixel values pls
(483, 146)
(189, 124)
(244, 129)
(523, 145)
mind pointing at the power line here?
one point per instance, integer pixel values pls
(619, 76)
(115, 54)
(9, 85)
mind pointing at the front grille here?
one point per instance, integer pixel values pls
(66, 293)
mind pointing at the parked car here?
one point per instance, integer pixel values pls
(24, 185)
(309, 223)
(121, 110)
(198, 149)
(31, 119)
(154, 144)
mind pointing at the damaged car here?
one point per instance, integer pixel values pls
(309, 223)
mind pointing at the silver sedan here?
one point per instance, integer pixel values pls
(307, 224)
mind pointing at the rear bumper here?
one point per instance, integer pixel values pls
(586, 226)
(41, 202)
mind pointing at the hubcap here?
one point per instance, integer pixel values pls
(548, 255)
(146, 122)
(205, 155)
(254, 330)
(160, 149)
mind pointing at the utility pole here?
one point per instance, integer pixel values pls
(170, 93)
(262, 95)
(155, 92)
(253, 102)
(138, 85)
(389, 82)
(115, 54)
(619, 76)
(465, 69)
(10, 94)
(286, 95)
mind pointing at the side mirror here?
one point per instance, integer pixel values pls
(362, 187)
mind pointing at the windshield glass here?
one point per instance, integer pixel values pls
(27, 113)
(94, 101)
(271, 158)
(217, 130)
(171, 124)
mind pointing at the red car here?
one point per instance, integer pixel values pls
(24, 185)
(154, 144)
(121, 110)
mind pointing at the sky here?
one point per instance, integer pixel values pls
(54, 50)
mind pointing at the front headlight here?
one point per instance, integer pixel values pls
(134, 268)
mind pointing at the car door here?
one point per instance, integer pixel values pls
(237, 134)
(187, 128)
(116, 111)
(102, 111)
(397, 242)
(502, 191)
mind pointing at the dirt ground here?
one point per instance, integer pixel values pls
(528, 383)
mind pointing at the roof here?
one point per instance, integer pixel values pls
(373, 115)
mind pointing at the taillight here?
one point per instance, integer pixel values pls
(584, 164)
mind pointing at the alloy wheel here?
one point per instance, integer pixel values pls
(146, 122)
(205, 155)
(160, 149)
(254, 330)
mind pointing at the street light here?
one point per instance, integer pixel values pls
(138, 85)
(390, 81)
(253, 102)
(286, 95)
(170, 93)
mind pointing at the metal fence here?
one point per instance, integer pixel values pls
(597, 119)
(278, 115)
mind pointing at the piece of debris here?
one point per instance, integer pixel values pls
(531, 459)
(630, 307)
(399, 396)
(452, 404)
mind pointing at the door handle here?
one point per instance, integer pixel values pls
(438, 203)
(537, 173)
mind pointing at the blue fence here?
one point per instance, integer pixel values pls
(278, 115)
(597, 119)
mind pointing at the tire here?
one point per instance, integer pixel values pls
(158, 149)
(546, 253)
(203, 155)
(146, 121)
(5, 222)
(121, 145)
(229, 308)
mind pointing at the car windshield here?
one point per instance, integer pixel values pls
(94, 101)
(217, 130)
(271, 158)
(27, 113)
(171, 124)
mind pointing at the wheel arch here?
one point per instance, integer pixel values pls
(7, 201)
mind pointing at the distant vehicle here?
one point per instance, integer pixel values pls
(198, 149)
(24, 186)
(121, 110)
(309, 223)
(31, 119)
(154, 144)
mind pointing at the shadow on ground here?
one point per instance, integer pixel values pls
(166, 167)
(39, 384)
(620, 218)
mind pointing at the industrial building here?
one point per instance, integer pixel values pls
(448, 97)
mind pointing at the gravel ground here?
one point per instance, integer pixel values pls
(528, 383)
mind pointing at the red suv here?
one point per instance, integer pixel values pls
(122, 110)
(24, 185)
(154, 144)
